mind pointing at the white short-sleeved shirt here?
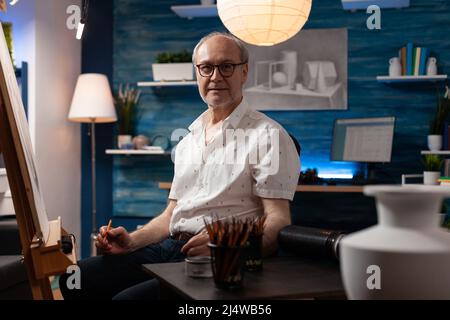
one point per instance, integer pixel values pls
(250, 158)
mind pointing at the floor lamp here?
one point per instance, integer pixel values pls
(92, 103)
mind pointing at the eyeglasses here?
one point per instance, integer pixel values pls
(226, 69)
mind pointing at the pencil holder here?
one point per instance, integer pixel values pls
(253, 259)
(227, 265)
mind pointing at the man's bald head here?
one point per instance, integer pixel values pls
(239, 44)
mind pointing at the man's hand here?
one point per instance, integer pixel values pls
(197, 245)
(115, 241)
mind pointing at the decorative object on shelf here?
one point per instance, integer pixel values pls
(411, 61)
(126, 101)
(395, 67)
(354, 5)
(173, 66)
(434, 142)
(140, 141)
(432, 165)
(405, 256)
(124, 141)
(432, 66)
(160, 140)
(437, 123)
(92, 103)
(264, 23)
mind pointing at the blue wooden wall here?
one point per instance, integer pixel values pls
(144, 28)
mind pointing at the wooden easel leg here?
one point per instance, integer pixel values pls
(41, 289)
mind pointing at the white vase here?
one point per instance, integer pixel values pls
(407, 248)
(432, 66)
(434, 142)
(395, 67)
(431, 177)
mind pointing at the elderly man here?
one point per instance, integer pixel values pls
(208, 182)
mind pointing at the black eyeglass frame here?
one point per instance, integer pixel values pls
(218, 68)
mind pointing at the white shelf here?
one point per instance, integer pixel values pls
(441, 152)
(195, 11)
(364, 4)
(137, 152)
(388, 79)
(166, 83)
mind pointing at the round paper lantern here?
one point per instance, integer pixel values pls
(264, 22)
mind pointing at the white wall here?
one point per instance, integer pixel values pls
(54, 55)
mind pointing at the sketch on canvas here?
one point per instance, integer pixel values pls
(307, 72)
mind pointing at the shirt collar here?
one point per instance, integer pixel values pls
(233, 119)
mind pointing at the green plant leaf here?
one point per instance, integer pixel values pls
(432, 162)
(174, 57)
(126, 101)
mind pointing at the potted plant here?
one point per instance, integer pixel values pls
(173, 66)
(433, 164)
(437, 123)
(126, 101)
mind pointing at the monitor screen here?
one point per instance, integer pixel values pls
(363, 139)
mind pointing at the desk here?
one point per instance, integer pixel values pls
(301, 188)
(281, 278)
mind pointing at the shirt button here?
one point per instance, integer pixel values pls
(183, 220)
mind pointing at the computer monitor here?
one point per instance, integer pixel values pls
(363, 139)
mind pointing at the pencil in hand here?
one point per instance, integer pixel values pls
(108, 228)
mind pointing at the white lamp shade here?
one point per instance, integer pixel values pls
(264, 22)
(92, 100)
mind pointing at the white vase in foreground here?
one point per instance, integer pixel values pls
(434, 142)
(406, 255)
(431, 177)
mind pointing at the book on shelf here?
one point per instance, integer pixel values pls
(423, 61)
(417, 60)
(414, 60)
(409, 59)
(444, 181)
(402, 55)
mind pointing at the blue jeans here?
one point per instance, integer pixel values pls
(121, 277)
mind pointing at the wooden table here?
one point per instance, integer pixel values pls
(281, 278)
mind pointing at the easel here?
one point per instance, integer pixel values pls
(42, 257)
